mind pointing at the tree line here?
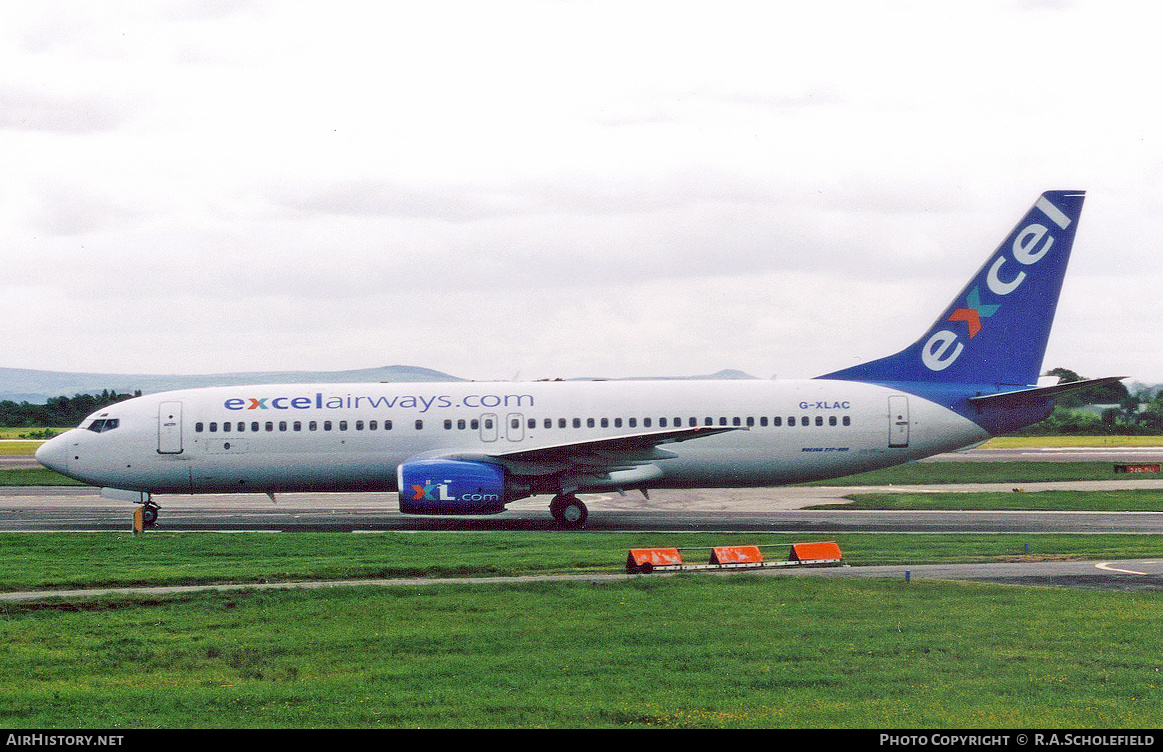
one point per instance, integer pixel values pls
(1123, 413)
(58, 412)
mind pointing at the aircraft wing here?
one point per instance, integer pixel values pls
(612, 462)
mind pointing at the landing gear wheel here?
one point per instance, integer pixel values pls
(149, 512)
(569, 511)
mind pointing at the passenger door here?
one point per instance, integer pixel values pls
(169, 428)
(898, 420)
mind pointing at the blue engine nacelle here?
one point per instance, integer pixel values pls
(453, 487)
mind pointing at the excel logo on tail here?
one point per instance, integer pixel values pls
(1004, 274)
(975, 312)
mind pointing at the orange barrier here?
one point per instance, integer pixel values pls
(646, 560)
(815, 552)
(736, 555)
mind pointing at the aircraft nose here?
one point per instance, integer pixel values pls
(53, 454)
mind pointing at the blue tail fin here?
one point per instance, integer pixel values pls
(995, 331)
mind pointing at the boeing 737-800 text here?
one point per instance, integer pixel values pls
(470, 448)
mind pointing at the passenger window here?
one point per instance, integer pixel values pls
(819, 420)
(831, 420)
(617, 422)
(474, 424)
(326, 425)
(297, 425)
(387, 425)
(662, 422)
(282, 425)
(270, 426)
(577, 422)
(589, 422)
(646, 422)
(605, 422)
(213, 428)
(254, 426)
(359, 425)
(447, 425)
(343, 425)
(847, 421)
(460, 424)
(791, 421)
(561, 422)
(313, 425)
(373, 425)
(419, 425)
(198, 427)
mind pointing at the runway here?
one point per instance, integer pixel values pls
(766, 510)
(787, 509)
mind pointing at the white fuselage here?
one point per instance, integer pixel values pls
(352, 437)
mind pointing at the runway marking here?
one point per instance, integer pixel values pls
(1106, 567)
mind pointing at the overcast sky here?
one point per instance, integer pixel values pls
(563, 189)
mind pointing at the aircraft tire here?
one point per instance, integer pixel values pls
(569, 511)
(149, 513)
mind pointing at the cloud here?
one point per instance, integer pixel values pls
(76, 114)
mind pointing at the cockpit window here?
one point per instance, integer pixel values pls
(101, 425)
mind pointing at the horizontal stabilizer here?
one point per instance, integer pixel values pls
(1024, 397)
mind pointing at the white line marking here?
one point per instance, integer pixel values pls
(1106, 566)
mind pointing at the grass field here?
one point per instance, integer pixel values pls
(690, 651)
(1021, 442)
(681, 652)
(1072, 501)
(673, 652)
(15, 448)
(77, 560)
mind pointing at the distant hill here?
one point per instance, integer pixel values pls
(726, 373)
(23, 385)
(35, 387)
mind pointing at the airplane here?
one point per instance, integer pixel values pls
(470, 448)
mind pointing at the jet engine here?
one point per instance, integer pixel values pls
(439, 486)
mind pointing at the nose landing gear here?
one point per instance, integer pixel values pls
(145, 515)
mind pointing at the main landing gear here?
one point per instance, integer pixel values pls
(569, 511)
